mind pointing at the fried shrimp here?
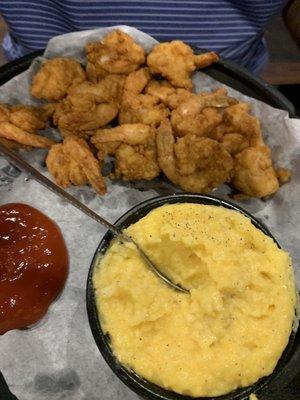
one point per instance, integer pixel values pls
(117, 53)
(80, 123)
(175, 61)
(200, 114)
(89, 106)
(134, 148)
(107, 141)
(20, 123)
(55, 77)
(29, 118)
(137, 107)
(195, 164)
(167, 94)
(238, 130)
(136, 81)
(85, 95)
(72, 162)
(253, 172)
(63, 168)
(11, 132)
(144, 109)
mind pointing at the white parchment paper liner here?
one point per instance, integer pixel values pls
(58, 359)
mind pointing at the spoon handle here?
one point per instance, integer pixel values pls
(34, 173)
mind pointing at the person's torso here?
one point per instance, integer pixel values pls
(232, 27)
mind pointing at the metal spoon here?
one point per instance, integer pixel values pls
(35, 174)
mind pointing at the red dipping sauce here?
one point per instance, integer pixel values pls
(33, 265)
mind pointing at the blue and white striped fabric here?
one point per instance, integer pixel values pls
(234, 28)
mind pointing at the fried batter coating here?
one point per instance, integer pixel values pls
(117, 53)
(143, 108)
(11, 132)
(253, 173)
(199, 115)
(195, 164)
(63, 168)
(187, 119)
(283, 175)
(131, 134)
(206, 59)
(167, 94)
(29, 118)
(161, 89)
(4, 113)
(137, 107)
(136, 162)
(175, 61)
(89, 106)
(85, 95)
(80, 123)
(238, 130)
(135, 150)
(72, 162)
(108, 140)
(55, 77)
(136, 81)
(19, 124)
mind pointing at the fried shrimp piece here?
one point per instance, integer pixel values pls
(75, 122)
(206, 59)
(175, 61)
(161, 89)
(199, 115)
(89, 106)
(19, 124)
(167, 94)
(179, 96)
(117, 53)
(136, 162)
(143, 108)
(195, 164)
(72, 162)
(11, 132)
(191, 119)
(128, 133)
(137, 107)
(55, 77)
(63, 168)
(85, 95)
(108, 140)
(239, 129)
(136, 81)
(253, 172)
(283, 175)
(79, 150)
(134, 150)
(29, 118)
(4, 113)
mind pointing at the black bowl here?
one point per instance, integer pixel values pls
(139, 385)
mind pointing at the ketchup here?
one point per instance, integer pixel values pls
(33, 265)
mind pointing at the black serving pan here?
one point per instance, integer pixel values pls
(285, 367)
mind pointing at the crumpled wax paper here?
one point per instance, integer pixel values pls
(58, 359)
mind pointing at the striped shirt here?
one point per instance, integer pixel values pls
(234, 28)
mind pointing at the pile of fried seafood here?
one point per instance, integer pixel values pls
(140, 109)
